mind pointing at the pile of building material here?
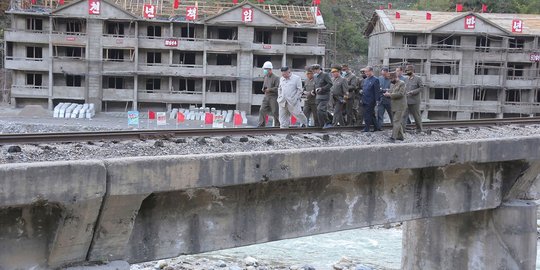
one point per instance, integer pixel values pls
(74, 110)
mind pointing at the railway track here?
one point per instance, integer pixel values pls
(32, 138)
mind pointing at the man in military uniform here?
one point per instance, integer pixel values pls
(359, 107)
(310, 104)
(270, 89)
(340, 93)
(398, 99)
(351, 101)
(414, 86)
(323, 83)
(383, 104)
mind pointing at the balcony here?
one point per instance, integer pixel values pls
(221, 71)
(69, 65)
(521, 107)
(222, 45)
(113, 41)
(487, 106)
(26, 36)
(70, 92)
(305, 49)
(445, 79)
(521, 82)
(450, 55)
(73, 39)
(117, 94)
(488, 80)
(116, 67)
(220, 98)
(29, 91)
(268, 48)
(405, 52)
(23, 63)
(170, 96)
(187, 70)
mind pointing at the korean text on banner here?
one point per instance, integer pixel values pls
(161, 118)
(133, 118)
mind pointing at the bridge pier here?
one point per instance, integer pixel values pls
(501, 238)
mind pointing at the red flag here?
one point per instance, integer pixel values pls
(208, 118)
(293, 120)
(176, 4)
(61, 2)
(238, 118)
(389, 5)
(235, 1)
(180, 118)
(34, 2)
(398, 15)
(484, 8)
(151, 115)
(428, 16)
(459, 7)
(261, 1)
(316, 2)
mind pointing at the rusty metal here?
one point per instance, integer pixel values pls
(119, 135)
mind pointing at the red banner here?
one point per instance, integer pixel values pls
(428, 16)
(517, 26)
(247, 14)
(459, 7)
(470, 22)
(151, 115)
(191, 13)
(398, 15)
(94, 7)
(171, 42)
(149, 11)
(176, 4)
(180, 117)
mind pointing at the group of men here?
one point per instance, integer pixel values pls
(351, 99)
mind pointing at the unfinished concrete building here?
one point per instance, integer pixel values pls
(136, 54)
(475, 65)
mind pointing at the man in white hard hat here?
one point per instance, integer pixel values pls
(270, 89)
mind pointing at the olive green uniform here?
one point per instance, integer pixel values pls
(310, 105)
(269, 103)
(398, 103)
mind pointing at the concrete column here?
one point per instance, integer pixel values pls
(114, 227)
(501, 238)
(74, 234)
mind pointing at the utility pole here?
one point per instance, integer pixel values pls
(335, 43)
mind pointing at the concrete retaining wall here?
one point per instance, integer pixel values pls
(141, 209)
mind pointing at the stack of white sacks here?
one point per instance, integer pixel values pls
(74, 110)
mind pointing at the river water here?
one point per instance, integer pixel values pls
(377, 248)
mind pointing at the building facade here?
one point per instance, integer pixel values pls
(131, 55)
(474, 65)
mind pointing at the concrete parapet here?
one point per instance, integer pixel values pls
(502, 238)
(146, 208)
(53, 208)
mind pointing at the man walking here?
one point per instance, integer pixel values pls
(310, 104)
(383, 104)
(323, 83)
(413, 86)
(399, 105)
(269, 103)
(289, 94)
(340, 93)
(352, 97)
(371, 93)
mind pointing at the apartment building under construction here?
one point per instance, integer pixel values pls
(475, 65)
(139, 54)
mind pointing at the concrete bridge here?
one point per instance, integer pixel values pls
(468, 204)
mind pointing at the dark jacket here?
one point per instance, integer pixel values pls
(271, 82)
(340, 89)
(324, 82)
(371, 90)
(384, 84)
(309, 87)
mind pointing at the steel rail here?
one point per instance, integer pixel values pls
(119, 135)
